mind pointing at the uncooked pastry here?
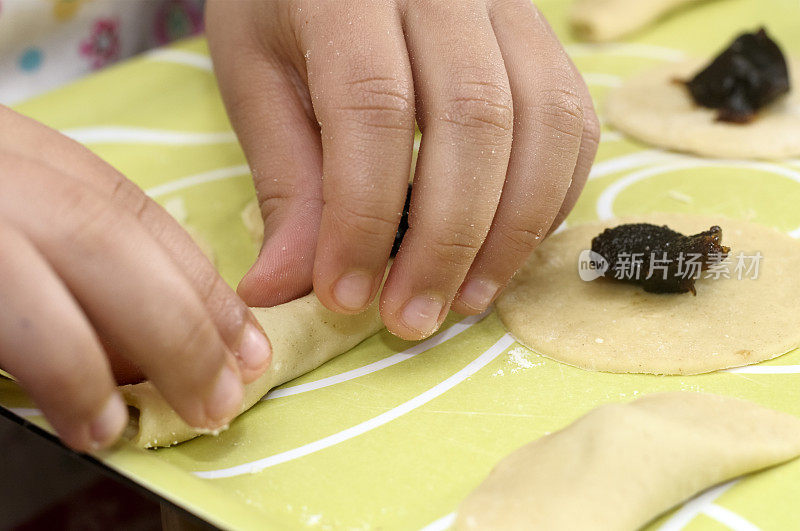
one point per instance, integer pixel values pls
(607, 20)
(251, 219)
(622, 465)
(653, 108)
(176, 207)
(617, 327)
(304, 335)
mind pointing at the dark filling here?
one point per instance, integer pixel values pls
(750, 74)
(659, 259)
(403, 227)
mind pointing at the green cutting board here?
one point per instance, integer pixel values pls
(392, 435)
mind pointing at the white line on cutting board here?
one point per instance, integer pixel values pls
(605, 201)
(260, 464)
(409, 353)
(442, 524)
(25, 411)
(729, 518)
(597, 78)
(648, 51)
(113, 134)
(199, 178)
(182, 57)
(702, 504)
(695, 506)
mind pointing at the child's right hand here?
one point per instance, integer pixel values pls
(95, 276)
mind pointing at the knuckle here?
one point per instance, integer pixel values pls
(214, 289)
(89, 223)
(365, 218)
(129, 196)
(561, 110)
(519, 239)
(484, 106)
(379, 102)
(278, 197)
(226, 309)
(456, 246)
(591, 126)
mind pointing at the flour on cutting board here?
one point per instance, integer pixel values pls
(517, 360)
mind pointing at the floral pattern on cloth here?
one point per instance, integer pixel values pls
(102, 46)
(46, 43)
(177, 19)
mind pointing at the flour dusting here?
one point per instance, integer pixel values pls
(517, 360)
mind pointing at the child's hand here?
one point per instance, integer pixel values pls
(92, 272)
(324, 94)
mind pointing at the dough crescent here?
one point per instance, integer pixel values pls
(621, 465)
(610, 326)
(304, 335)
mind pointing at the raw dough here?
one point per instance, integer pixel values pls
(251, 218)
(304, 335)
(617, 327)
(622, 465)
(176, 207)
(652, 108)
(607, 20)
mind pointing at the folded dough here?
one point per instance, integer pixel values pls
(304, 335)
(607, 20)
(622, 465)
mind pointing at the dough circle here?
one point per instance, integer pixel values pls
(612, 326)
(652, 108)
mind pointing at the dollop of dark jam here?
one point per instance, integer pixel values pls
(750, 74)
(403, 227)
(658, 258)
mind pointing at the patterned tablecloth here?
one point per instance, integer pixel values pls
(392, 435)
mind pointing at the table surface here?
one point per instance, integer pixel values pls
(393, 434)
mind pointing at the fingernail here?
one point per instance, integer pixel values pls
(225, 399)
(254, 348)
(109, 423)
(352, 290)
(478, 293)
(422, 314)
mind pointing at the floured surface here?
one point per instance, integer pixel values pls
(653, 108)
(612, 326)
(621, 465)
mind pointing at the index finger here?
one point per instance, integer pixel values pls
(360, 82)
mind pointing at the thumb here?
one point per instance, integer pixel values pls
(284, 267)
(270, 110)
